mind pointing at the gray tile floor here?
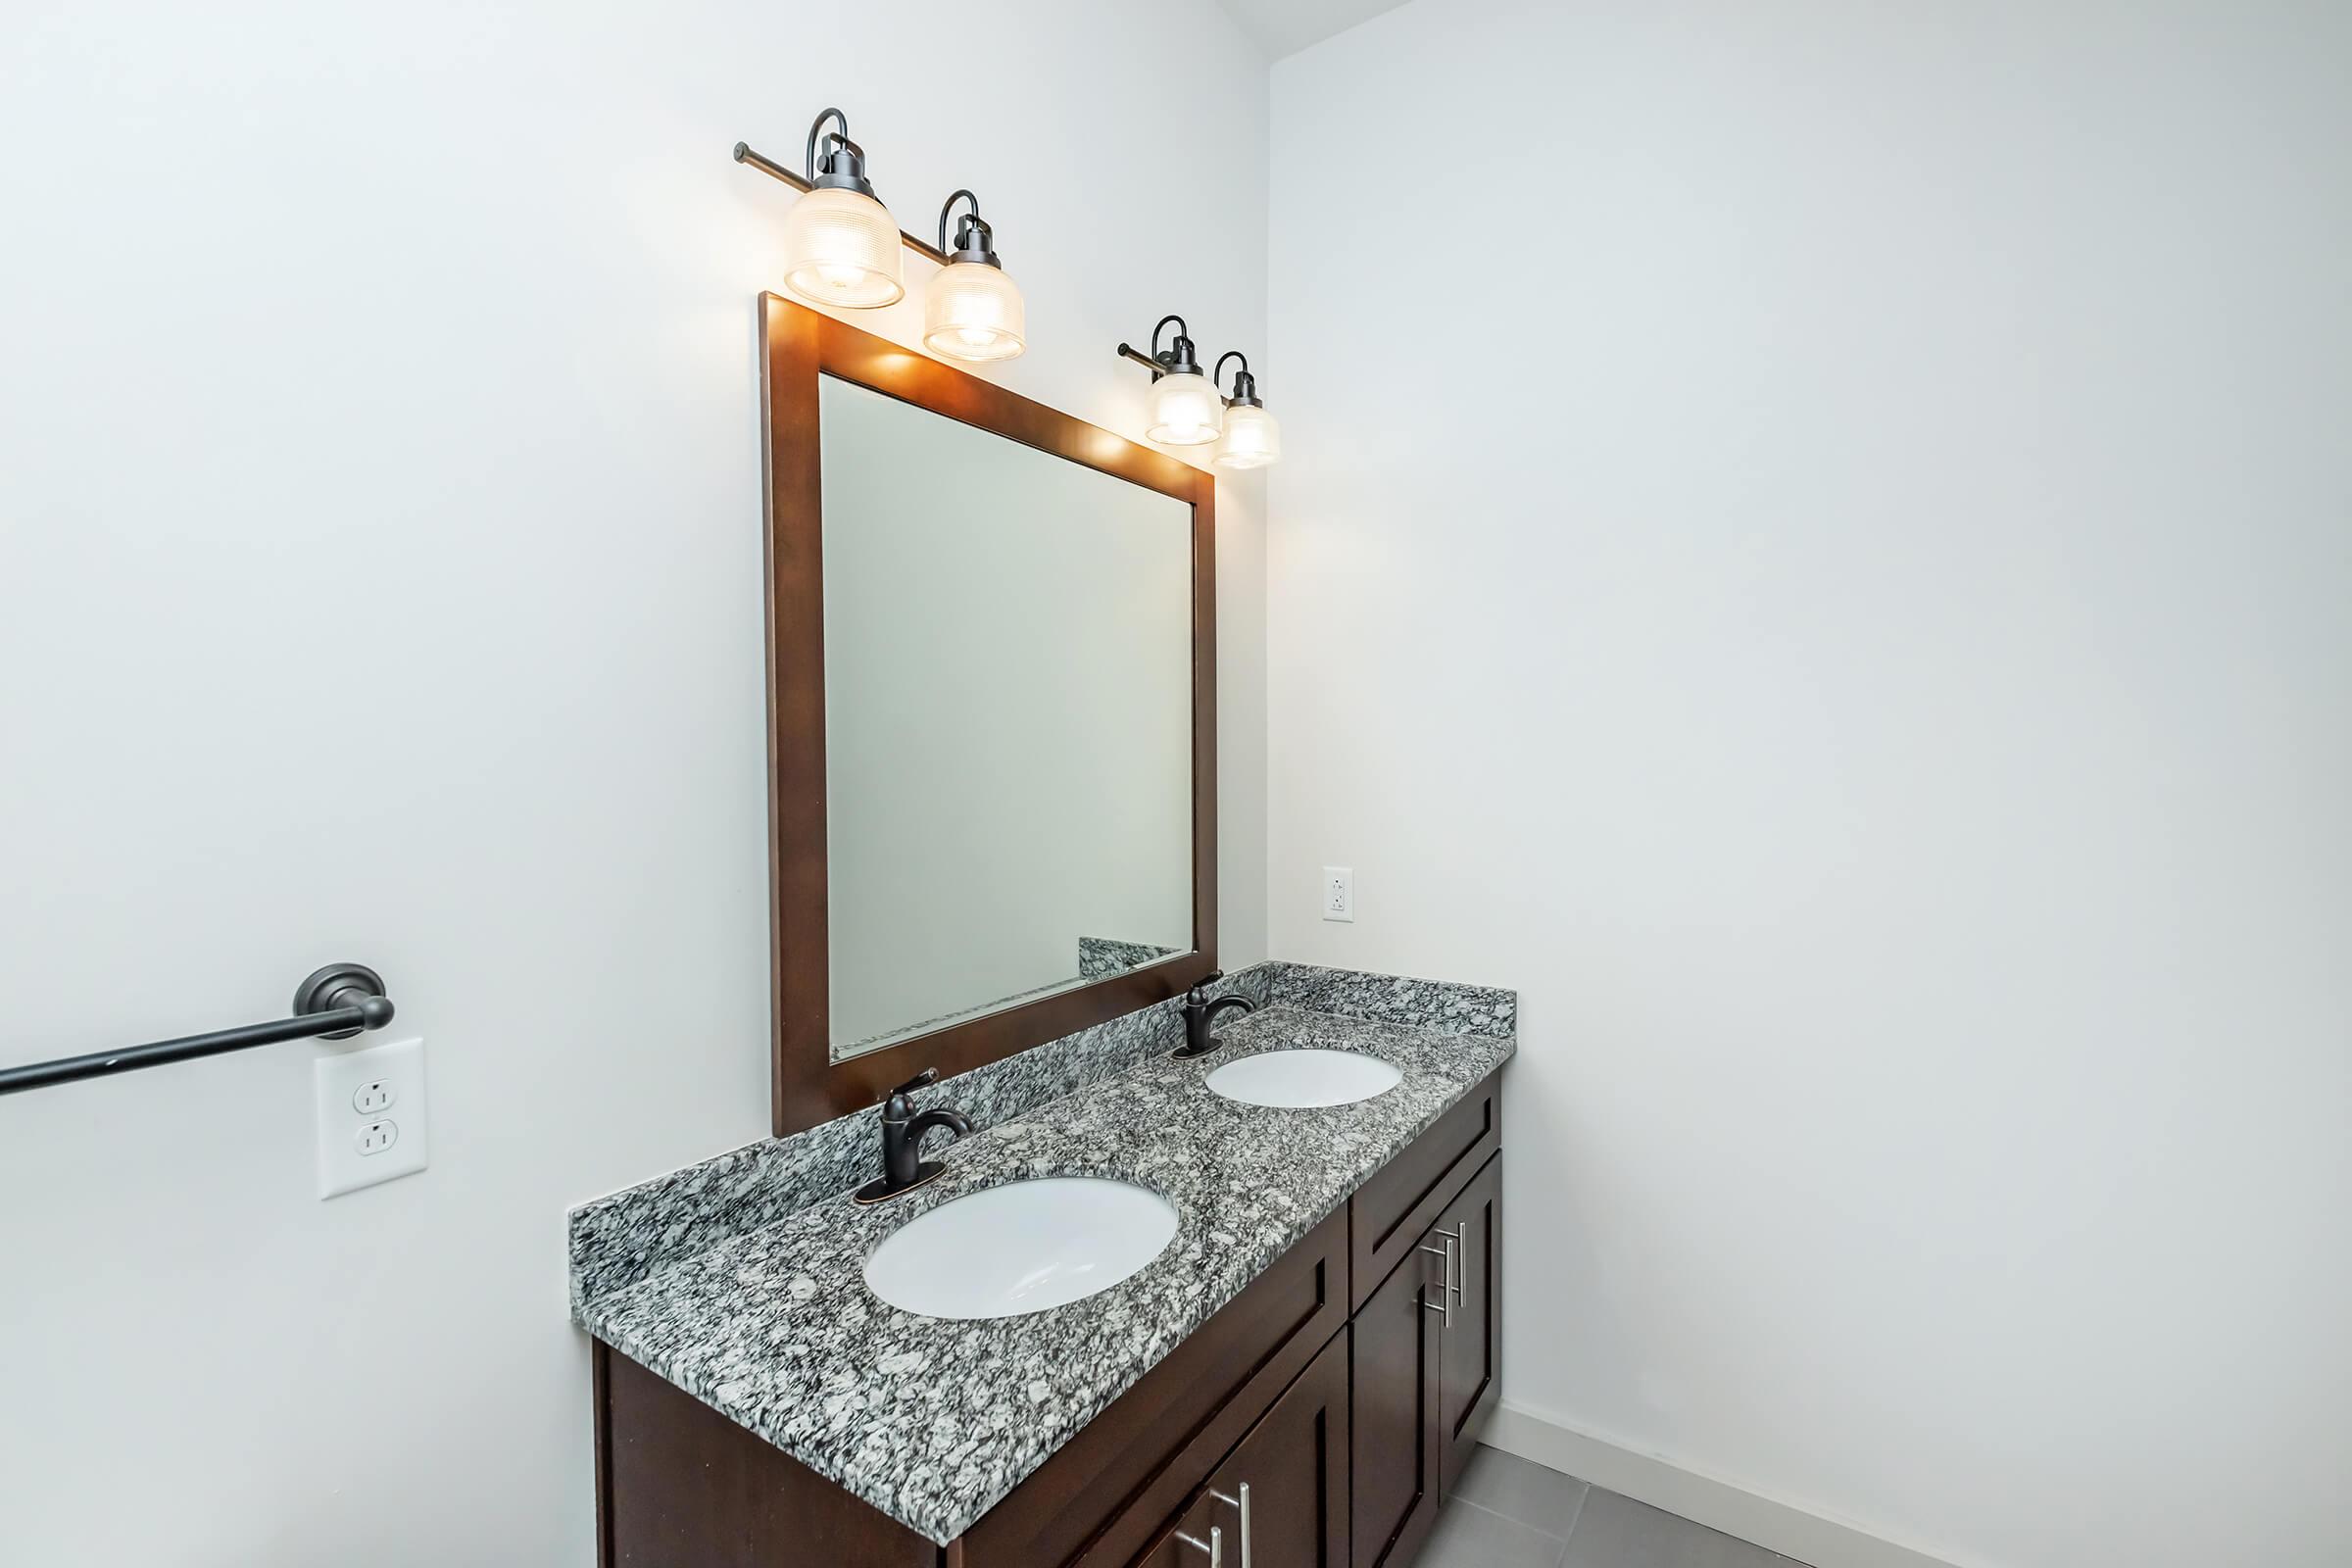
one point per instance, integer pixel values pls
(1509, 1513)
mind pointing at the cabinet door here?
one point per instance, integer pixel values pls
(1471, 1356)
(1293, 1471)
(1399, 1340)
(1280, 1500)
(1109, 1494)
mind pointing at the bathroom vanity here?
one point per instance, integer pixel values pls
(1320, 1338)
(1175, 1284)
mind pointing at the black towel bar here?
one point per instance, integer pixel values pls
(334, 1004)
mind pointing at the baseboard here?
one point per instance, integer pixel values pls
(1784, 1527)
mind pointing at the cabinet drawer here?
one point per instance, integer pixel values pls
(1115, 1486)
(1406, 1196)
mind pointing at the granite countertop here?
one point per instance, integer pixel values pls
(933, 1420)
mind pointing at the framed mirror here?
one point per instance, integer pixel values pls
(992, 718)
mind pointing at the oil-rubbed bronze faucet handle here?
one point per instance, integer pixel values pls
(922, 1080)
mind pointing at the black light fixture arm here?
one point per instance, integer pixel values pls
(949, 206)
(975, 241)
(840, 138)
(1127, 351)
(1244, 385)
(1175, 360)
(334, 1004)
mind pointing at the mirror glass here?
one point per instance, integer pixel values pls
(1009, 726)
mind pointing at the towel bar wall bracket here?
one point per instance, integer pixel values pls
(335, 1002)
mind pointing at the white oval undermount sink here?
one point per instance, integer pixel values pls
(1020, 1247)
(1301, 1080)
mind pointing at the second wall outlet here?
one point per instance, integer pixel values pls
(1339, 893)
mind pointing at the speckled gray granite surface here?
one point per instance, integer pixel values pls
(934, 1421)
(620, 1240)
(1105, 955)
(1437, 1006)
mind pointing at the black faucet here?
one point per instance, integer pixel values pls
(1201, 1015)
(902, 1131)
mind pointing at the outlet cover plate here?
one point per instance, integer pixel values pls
(1339, 893)
(346, 1132)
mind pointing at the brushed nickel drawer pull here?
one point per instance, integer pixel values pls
(1242, 1503)
(1447, 1292)
(1215, 1545)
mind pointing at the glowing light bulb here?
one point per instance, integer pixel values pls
(972, 311)
(1251, 438)
(1183, 411)
(841, 247)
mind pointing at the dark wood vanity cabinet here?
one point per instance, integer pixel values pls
(1348, 1429)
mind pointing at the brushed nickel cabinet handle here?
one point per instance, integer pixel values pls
(1241, 1502)
(1447, 1292)
(1215, 1545)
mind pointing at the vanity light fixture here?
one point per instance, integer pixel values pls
(841, 245)
(1251, 438)
(973, 311)
(1185, 410)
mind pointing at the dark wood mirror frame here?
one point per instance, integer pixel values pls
(802, 344)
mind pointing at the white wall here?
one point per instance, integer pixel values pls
(1815, 541)
(379, 578)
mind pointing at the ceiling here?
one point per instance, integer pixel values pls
(1286, 26)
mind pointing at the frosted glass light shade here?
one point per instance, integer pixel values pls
(1183, 411)
(842, 249)
(1251, 438)
(972, 311)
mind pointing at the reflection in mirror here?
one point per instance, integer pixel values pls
(1008, 721)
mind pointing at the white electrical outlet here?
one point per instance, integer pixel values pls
(371, 1115)
(1339, 893)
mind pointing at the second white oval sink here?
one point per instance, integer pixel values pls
(1301, 1080)
(1020, 1247)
